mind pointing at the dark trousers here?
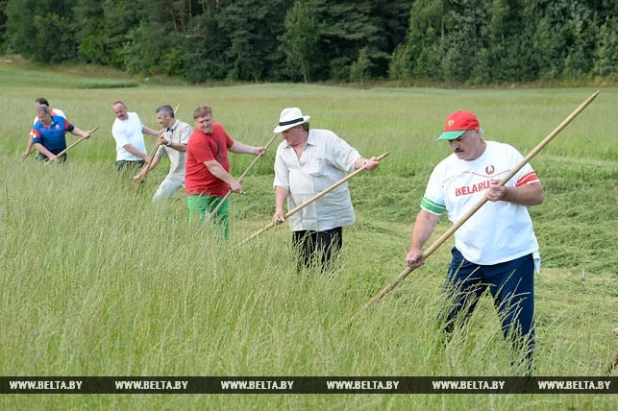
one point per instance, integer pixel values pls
(129, 166)
(512, 286)
(316, 248)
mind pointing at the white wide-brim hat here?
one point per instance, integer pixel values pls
(290, 117)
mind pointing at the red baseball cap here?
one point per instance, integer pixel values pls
(458, 123)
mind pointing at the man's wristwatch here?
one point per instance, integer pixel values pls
(169, 143)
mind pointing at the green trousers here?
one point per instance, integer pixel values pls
(201, 206)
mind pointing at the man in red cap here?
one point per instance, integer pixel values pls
(496, 248)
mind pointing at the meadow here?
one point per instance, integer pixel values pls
(97, 282)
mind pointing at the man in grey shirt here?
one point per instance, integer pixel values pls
(172, 144)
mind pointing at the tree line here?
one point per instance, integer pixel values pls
(463, 41)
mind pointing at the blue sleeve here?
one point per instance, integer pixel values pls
(67, 126)
(36, 136)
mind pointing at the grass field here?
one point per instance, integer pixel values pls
(96, 282)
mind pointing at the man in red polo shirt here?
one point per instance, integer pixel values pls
(207, 177)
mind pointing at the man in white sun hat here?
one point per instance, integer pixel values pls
(307, 162)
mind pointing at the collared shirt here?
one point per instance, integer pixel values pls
(52, 136)
(53, 112)
(128, 131)
(179, 133)
(325, 160)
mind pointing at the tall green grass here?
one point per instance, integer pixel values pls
(96, 281)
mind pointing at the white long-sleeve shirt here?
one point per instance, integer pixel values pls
(325, 159)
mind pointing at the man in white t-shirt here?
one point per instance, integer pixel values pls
(307, 162)
(496, 247)
(172, 144)
(127, 131)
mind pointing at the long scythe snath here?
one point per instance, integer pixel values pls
(474, 209)
(312, 199)
(72, 145)
(255, 160)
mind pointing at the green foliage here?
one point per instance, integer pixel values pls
(458, 41)
(19, 26)
(120, 17)
(361, 66)
(480, 73)
(299, 42)
(41, 30)
(424, 39)
(399, 67)
(54, 42)
(253, 27)
(88, 16)
(509, 44)
(156, 46)
(606, 61)
(206, 44)
(3, 44)
(347, 29)
(484, 41)
(465, 23)
(142, 49)
(391, 17)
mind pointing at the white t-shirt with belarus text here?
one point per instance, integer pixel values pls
(500, 231)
